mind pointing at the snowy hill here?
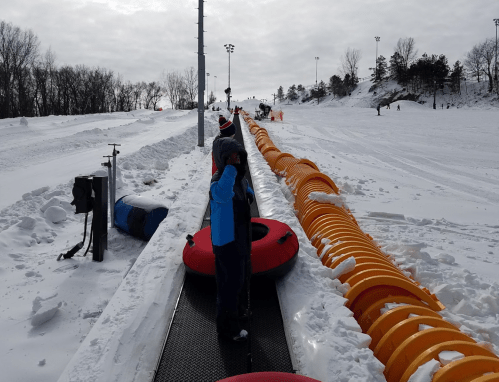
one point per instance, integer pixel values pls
(425, 185)
(473, 95)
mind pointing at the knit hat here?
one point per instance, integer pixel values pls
(221, 120)
(227, 129)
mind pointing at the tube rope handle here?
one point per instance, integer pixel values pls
(190, 240)
(285, 237)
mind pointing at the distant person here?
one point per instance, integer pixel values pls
(230, 200)
(388, 106)
(398, 107)
(379, 108)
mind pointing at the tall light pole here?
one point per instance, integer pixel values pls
(230, 49)
(201, 70)
(215, 95)
(376, 66)
(207, 91)
(316, 59)
(496, 21)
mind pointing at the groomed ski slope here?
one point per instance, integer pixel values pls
(423, 183)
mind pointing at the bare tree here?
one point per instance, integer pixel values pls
(488, 53)
(350, 63)
(191, 83)
(474, 61)
(406, 48)
(138, 91)
(153, 94)
(173, 84)
(18, 51)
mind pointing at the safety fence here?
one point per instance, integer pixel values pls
(404, 337)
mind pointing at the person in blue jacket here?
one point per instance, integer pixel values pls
(230, 200)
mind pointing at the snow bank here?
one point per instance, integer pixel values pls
(135, 320)
(325, 341)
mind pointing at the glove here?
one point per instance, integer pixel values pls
(233, 159)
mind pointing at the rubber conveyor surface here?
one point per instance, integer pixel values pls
(194, 352)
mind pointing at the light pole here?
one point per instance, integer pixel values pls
(316, 59)
(215, 95)
(201, 71)
(230, 49)
(207, 91)
(496, 21)
(376, 65)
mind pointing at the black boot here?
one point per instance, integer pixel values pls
(232, 330)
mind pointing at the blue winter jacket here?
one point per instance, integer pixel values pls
(230, 196)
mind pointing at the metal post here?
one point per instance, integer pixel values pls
(230, 49)
(112, 183)
(113, 191)
(201, 71)
(110, 186)
(99, 220)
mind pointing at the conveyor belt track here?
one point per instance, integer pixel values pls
(193, 350)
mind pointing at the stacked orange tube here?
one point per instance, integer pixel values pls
(397, 339)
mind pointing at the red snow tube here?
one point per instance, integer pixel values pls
(274, 249)
(269, 376)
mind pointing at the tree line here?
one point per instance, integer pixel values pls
(32, 85)
(423, 74)
(182, 89)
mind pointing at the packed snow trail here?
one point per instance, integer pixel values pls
(65, 143)
(194, 352)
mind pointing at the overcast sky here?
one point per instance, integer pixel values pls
(275, 40)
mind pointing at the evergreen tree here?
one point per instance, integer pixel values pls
(336, 86)
(398, 69)
(292, 95)
(280, 94)
(319, 92)
(300, 88)
(379, 73)
(427, 72)
(349, 83)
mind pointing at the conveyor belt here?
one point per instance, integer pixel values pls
(193, 350)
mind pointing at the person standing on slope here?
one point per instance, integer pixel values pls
(230, 200)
